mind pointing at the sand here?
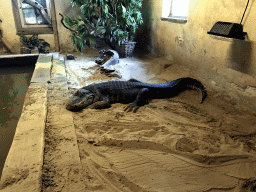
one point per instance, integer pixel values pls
(172, 144)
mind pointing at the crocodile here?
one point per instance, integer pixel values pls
(137, 93)
(107, 57)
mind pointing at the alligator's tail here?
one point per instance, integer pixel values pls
(183, 84)
(195, 84)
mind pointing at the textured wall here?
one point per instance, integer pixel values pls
(9, 30)
(8, 26)
(189, 43)
(64, 7)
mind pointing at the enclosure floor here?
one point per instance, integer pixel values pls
(172, 144)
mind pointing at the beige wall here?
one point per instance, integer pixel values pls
(8, 26)
(9, 30)
(64, 7)
(186, 43)
(189, 43)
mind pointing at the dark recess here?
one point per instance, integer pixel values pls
(12, 61)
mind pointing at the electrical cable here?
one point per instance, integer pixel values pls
(244, 11)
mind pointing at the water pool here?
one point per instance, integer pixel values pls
(15, 75)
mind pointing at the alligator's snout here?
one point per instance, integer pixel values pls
(73, 103)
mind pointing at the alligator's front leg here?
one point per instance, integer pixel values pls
(101, 104)
(140, 100)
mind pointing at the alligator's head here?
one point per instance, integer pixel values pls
(80, 99)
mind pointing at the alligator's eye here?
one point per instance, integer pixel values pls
(79, 94)
(76, 93)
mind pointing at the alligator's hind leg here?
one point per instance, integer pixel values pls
(141, 99)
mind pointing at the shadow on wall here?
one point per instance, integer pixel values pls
(144, 33)
(241, 54)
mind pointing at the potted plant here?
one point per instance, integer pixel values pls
(33, 42)
(115, 20)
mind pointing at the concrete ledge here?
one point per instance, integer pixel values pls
(18, 55)
(23, 166)
(62, 166)
(43, 69)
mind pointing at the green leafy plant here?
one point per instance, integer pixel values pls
(34, 41)
(111, 19)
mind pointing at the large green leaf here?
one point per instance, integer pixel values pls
(114, 18)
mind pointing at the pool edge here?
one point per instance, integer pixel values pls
(23, 166)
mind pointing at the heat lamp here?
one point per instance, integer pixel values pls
(230, 30)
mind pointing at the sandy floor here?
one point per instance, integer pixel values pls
(173, 144)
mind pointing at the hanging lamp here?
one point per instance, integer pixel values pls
(230, 30)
